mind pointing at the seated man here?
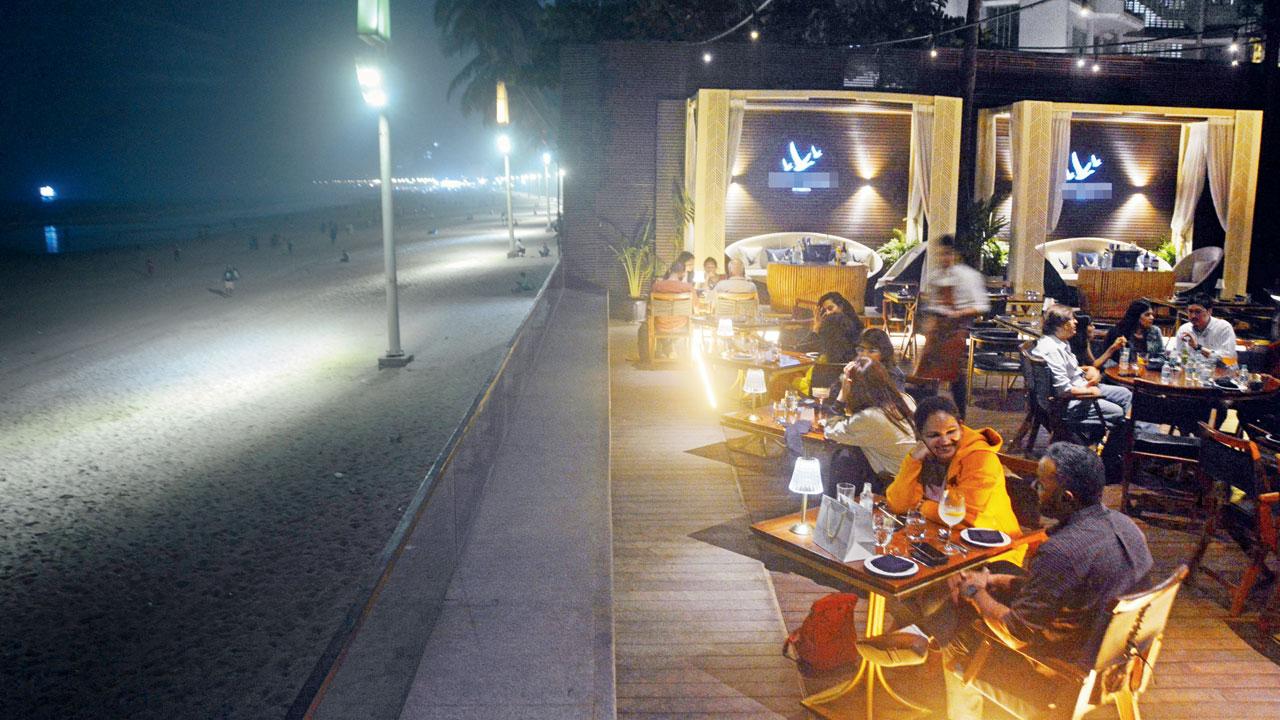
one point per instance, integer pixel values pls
(735, 282)
(1070, 380)
(1059, 606)
(1211, 337)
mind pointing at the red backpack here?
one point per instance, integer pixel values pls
(827, 638)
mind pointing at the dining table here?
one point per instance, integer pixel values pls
(778, 534)
(1221, 393)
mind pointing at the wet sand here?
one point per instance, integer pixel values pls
(192, 486)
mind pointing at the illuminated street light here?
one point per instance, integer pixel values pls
(369, 76)
(504, 147)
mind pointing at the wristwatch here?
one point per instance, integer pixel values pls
(969, 591)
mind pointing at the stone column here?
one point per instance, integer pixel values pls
(1032, 121)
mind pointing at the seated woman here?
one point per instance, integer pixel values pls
(876, 427)
(1138, 330)
(952, 454)
(875, 344)
(836, 330)
(711, 272)
(1082, 346)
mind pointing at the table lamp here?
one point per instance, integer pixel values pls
(806, 479)
(754, 386)
(699, 277)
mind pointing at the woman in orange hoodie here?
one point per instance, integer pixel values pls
(951, 454)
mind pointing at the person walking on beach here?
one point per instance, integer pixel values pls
(229, 278)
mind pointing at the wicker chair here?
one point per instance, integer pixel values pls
(737, 305)
(667, 305)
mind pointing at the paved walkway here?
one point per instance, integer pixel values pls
(525, 631)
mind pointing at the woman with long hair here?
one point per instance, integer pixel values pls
(1082, 344)
(1138, 330)
(836, 329)
(951, 454)
(875, 344)
(875, 426)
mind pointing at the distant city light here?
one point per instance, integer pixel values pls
(47, 193)
(706, 58)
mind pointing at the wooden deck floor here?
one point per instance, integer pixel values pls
(701, 610)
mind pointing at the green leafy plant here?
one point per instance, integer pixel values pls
(895, 247)
(979, 245)
(637, 254)
(683, 204)
(1166, 250)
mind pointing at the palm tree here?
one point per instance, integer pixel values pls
(502, 34)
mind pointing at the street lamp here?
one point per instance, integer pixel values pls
(546, 183)
(504, 147)
(370, 78)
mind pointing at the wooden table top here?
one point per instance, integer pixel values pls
(777, 533)
(761, 422)
(787, 362)
(1270, 384)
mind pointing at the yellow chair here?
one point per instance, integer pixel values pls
(667, 305)
(737, 305)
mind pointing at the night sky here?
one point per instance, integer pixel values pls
(129, 100)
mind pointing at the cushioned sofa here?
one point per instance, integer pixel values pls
(752, 251)
(1062, 255)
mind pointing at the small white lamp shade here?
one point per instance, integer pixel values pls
(753, 384)
(806, 479)
(725, 328)
(771, 336)
(699, 277)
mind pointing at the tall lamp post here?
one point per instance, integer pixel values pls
(369, 75)
(546, 183)
(504, 146)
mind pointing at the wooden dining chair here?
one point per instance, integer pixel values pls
(1045, 409)
(668, 305)
(1242, 502)
(736, 305)
(1153, 403)
(1120, 672)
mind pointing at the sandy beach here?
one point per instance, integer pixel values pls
(193, 485)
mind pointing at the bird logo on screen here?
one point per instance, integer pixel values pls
(800, 164)
(1078, 172)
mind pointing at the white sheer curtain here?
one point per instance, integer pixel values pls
(1190, 184)
(921, 162)
(1219, 145)
(984, 183)
(737, 108)
(1060, 129)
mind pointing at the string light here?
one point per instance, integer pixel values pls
(706, 58)
(1084, 8)
(1096, 67)
(933, 48)
(755, 35)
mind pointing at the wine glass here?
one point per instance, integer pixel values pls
(882, 526)
(951, 512)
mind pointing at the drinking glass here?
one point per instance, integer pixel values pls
(951, 512)
(915, 524)
(847, 494)
(882, 526)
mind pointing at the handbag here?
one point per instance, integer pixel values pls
(839, 532)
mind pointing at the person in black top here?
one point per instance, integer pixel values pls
(1138, 328)
(836, 331)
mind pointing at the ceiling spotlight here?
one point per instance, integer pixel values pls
(755, 34)
(706, 58)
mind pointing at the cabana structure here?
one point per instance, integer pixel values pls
(848, 164)
(1130, 174)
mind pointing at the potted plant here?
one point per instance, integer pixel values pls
(895, 247)
(980, 245)
(1166, 250)
(638, 256)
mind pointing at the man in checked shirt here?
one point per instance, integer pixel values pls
(1059, 606)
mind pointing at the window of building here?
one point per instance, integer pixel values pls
(1003, 31)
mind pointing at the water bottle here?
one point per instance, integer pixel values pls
(866, 506)
(1167, 373)
(1125, 366)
